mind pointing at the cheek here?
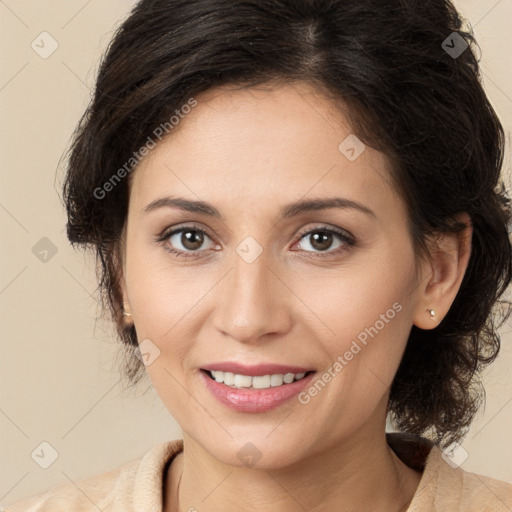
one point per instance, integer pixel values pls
(363, 316)
(159, 292)
(337, 306)
(347, 300)
(165, 310)
(169, 305)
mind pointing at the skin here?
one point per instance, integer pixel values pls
(249, 153)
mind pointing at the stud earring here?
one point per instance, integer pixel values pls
(432, 314)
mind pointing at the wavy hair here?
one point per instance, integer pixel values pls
(386, 61)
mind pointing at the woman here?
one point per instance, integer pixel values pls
(300, 230)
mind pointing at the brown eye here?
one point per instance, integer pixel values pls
(191, 239)
(186, 241)
(321, 240)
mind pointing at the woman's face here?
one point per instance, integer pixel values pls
(269, 284)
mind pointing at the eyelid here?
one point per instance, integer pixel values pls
(164, 236)
(328, 229)
(344, 235)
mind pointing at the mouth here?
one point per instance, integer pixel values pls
(254, 382)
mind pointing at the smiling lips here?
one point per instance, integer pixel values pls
(251, 399)
(254, 388)
(257, 369)
(262, 376)
(240, 381)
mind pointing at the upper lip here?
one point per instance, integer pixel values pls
(255, 370)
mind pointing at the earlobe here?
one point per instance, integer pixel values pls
(126, 309)
(432, 314)
(448, 260)
(427, 319)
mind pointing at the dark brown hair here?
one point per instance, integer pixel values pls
(409, 94)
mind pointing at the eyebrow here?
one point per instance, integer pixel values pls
(287, 211)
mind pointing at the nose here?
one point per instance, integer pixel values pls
(253, 302)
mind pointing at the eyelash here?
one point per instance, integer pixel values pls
(347, 240)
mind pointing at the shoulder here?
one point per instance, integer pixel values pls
(446, 487)
(136, 485)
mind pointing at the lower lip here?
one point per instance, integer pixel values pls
(254, 400)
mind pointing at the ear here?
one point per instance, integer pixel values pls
(442, 274)
(119, 256)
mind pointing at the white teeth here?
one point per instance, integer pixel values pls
(243, 381)
(289, 378)
(229, 378)
(257, 382)
(261, 382)
(276, 380)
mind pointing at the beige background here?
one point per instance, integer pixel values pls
(59, 382)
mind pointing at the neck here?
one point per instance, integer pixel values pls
(362, 473)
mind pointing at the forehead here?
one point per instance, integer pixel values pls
(252, 145)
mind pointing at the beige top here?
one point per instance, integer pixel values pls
(137, 486)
